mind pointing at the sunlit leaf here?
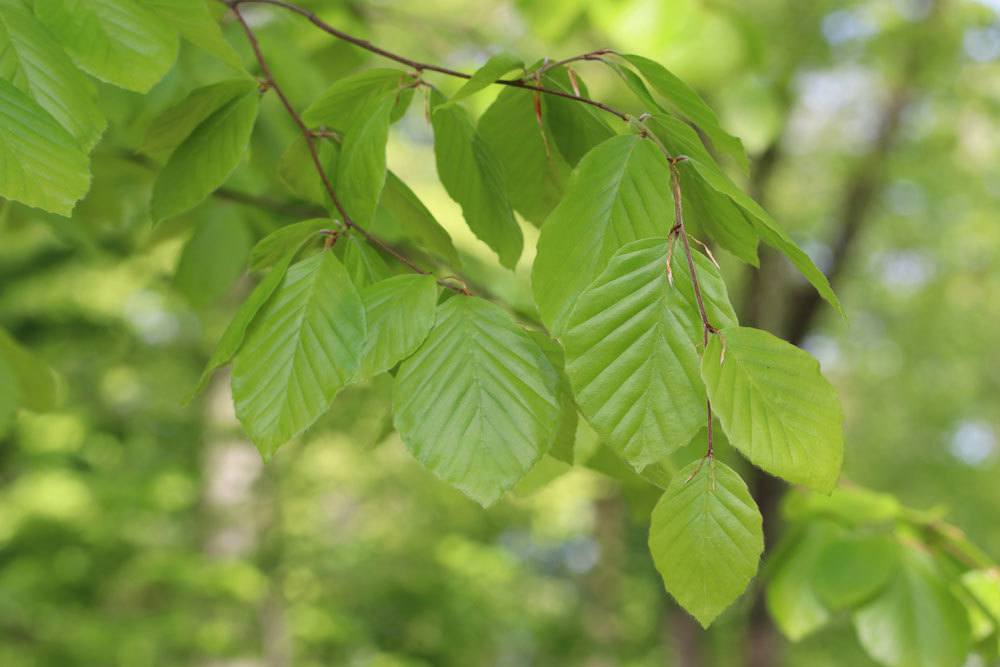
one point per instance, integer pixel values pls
(400, 312)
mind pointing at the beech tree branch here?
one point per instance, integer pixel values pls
(422, 66)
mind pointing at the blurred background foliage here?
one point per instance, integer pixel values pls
(136, 531)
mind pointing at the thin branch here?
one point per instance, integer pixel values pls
(310, 138)
(590, 55)
(706, 326)
(421, 66)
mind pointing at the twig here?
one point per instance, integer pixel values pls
(421, 66)
(310, 138)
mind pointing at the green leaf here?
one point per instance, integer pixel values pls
(10, 397)
(565, 436)
(36, 64)
(775, 406)
(690, 105)
(206, 158)
(791, 599)
(303, 348)
(853, 569)
(853, 505)
(916, 621)
(495, 68)
(203, 272)
(476, 404)
(984, 587)
(473, 177)
(636, 85)
(40, 163)
(631, 350)
(717, 215)
(297, 171)
(232, 337)
(38, 386)
(706, 538)
(338, 104)
(577, 127)
(118, 41)
(680, 139)
(400, 313)
(535, 172)
(176, 124)
(196, 24)
(402, 216)
(274, 247)
(361, 163)
(619, 193)
(362, 261)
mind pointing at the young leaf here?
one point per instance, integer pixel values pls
(176, 124)
(274, 247)
(577, 128)
(206, 158)
(213, 258)
(619, 193)
(38, 386)
(361, 163)
(475, 403)
(690, 104)
(399, 312)
(40, 163)
(402, 216)
(680, 139)
(916, 621)
(775, 406)
(337, 105)
(302, 349)
(535, 172)
(719, 218)
(118, 41)
(473, 177)
(197, 25)
(791, 598)
(853, 569)
(297, 171)
(36, 64)
(362, 261)
(232, 337)
(984, 587)
(631, 350)
(706, 538)
(495, 68)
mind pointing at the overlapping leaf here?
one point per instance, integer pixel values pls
(35, 63)
(195, 23)
(632, 350)
(361, 162)
(916, 621)
(618, 193)
(338, 104)
(473, 177)
(680, 139)
(534, 170)
(399, 312)
(476, 403)
(495, 68)
(402, 216)
(41, 164)
(791, 598)
(302, 348)
(775, 406)
(119, 41)
(206, 158)
(706, 538)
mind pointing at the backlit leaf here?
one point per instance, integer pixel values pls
(706, 538)
(475, 404)
(495, 68)
(197, 25)
(775, 406)
(303, 348)
(399, 311)
(361, 163)
(619, 193)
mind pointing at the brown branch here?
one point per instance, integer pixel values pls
(422, 66)
(310, 138)
(706, 326)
